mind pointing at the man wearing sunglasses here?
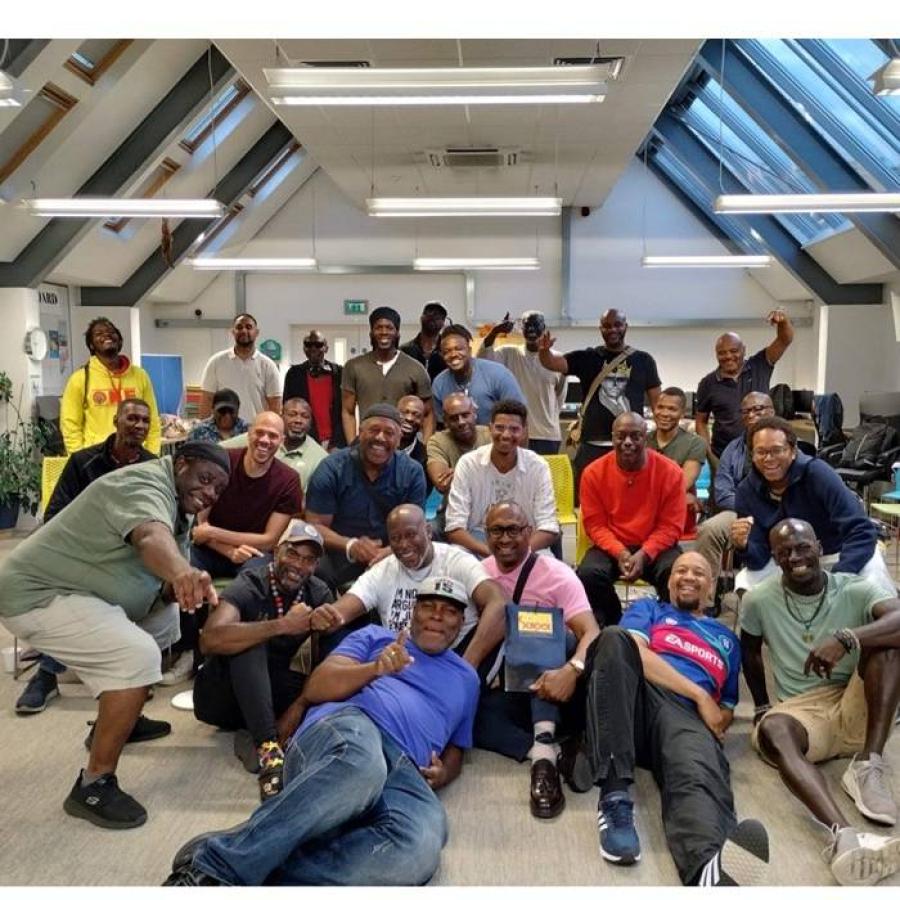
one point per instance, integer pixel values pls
(318, 381)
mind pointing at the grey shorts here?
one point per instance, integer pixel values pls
(98, 641)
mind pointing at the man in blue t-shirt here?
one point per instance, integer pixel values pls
(390, 718)
(662, 687)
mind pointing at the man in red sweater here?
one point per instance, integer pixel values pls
(633, 508)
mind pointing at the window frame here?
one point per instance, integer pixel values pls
(242, 90)
(161, 175)
(92, 76)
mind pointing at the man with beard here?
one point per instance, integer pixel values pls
(484, 381)
(390, 717)
(93, 589)
(249, 373)
(834, 647)
(412, 413)
(544, 389)
(93, 392)
(354, 489)
(662, 687)
(246, 681)
(318, 380)
(384, 374)
(632, 504)
(424, 347)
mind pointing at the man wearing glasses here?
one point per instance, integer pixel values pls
(786, 483)
(318, 381)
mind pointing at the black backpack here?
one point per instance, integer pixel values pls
(783, 400)
(866, 445)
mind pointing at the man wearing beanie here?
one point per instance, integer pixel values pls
(99, 587)
(383, 375)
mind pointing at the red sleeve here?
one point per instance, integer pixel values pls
(594, 513)
(670, 512)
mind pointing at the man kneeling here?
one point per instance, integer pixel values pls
(661, 692)
(358, 805)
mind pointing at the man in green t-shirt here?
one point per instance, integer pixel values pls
(834, 645)
(93, 589)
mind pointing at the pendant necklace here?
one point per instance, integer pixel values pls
(806, 623)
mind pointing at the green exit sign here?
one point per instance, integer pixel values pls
(356, 307)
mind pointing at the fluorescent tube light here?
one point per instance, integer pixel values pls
(320, 86)
(110, 207)
(721, 261)
(252, 264)
(735, 204)
(464, 206)
(886, 80)
(443, 263)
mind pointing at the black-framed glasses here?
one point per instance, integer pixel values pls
(774, 452)
(514, 531)
(314, 344)
(745, 410)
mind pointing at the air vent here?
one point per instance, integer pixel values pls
(474, 157)
(613, 63)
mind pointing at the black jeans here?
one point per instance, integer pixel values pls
(248, 690)
(632, 722)
(336, 570)
(543, 446)
(598, 572)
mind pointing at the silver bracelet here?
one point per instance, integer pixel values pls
(347, 548)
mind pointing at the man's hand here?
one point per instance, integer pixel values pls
(776, 317)
(546, 341)
(240, 555)
(326, 618)
(193, 588)
(504, 327)
(296, 620)
(289, 720)
(556, 685)
(436, 773)
(201, 533)
(740, 532)
(443, 482)
(379, 556)
(394, 658)
(693, 502)
(824, 657)
(634, 566)
(364, 550)
(712, 716)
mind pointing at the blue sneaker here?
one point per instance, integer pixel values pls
(619, 841)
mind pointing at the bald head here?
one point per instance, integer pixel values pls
(789, 528)
(730, 353)
(269, 420)
(410, 536)
(506, 510)
(755, 406)
(508, 535)
(690, 582)
(264, 437)
(460, 416)
(406, 514)
(613, 327)
(629, 437)
(798, 553)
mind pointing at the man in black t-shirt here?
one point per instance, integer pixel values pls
(250, 639)
(624, 388)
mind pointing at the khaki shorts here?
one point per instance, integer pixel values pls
(834, 717)
(96, 640)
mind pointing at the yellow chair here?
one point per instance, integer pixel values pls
(51, 469)
(563, 487)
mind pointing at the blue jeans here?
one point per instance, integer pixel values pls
(355, 810)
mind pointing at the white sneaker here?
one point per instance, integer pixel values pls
(182, 669)
(858, 858)
(868, 782)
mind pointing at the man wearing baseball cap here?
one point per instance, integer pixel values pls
(246, 681)
(389, 718)
(383, 375)
(425, 346)
(224, 422)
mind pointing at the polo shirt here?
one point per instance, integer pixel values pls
(85, 549)
(721, 397)
(303, 460)
(254, 380)
(337, 489)
(488, 383)
(364, 376)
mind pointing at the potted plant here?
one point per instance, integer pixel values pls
(21, 443)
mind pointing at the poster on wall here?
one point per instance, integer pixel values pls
(56, 367)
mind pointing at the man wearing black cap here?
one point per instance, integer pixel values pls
(351, 493)
(384, 374)
(425, 346)
(224, 422)
(249, 641)
(98, 598)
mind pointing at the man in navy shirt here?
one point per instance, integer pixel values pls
(389, 721)
(662, 687)
(351, 493)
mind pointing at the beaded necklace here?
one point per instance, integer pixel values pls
(276, 592)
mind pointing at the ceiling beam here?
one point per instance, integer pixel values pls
(20, 54)
(51, 244)
(681, 141)
(797, 137)
(230, 188)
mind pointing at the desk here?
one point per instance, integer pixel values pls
(892, 511)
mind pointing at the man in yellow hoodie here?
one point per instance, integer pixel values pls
(94, 391)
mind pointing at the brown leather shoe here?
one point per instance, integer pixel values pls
(547, 798)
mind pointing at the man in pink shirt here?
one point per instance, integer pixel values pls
(519, 724)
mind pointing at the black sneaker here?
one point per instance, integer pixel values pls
(103, 803)
(188, 876)
(39, 691)
(184, 858)
(245, 750)
(144, 730)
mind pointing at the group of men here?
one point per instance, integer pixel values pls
(357, 649)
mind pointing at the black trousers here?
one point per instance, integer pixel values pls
(598, 572)
(336, 570)
(631, 722)
(248, 690)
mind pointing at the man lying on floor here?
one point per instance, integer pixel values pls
(390, 718)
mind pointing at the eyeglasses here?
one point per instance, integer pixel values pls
(745, 410)
(497, 531)
(295, 556)
(774, 452)
(314, 343)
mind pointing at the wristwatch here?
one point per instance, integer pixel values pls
(577, 665)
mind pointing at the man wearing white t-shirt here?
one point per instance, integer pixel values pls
(390, 587)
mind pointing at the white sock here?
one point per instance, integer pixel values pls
(544, 747)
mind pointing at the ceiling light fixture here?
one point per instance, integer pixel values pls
(720, 261)
(318, 86)
(110, 207)
(252, 264)
(736, 204)
(444, 263)
(464, 206)
(886, 80)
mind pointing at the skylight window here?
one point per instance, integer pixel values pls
(215, 114)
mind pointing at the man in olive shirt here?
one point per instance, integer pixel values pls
(86, 588)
